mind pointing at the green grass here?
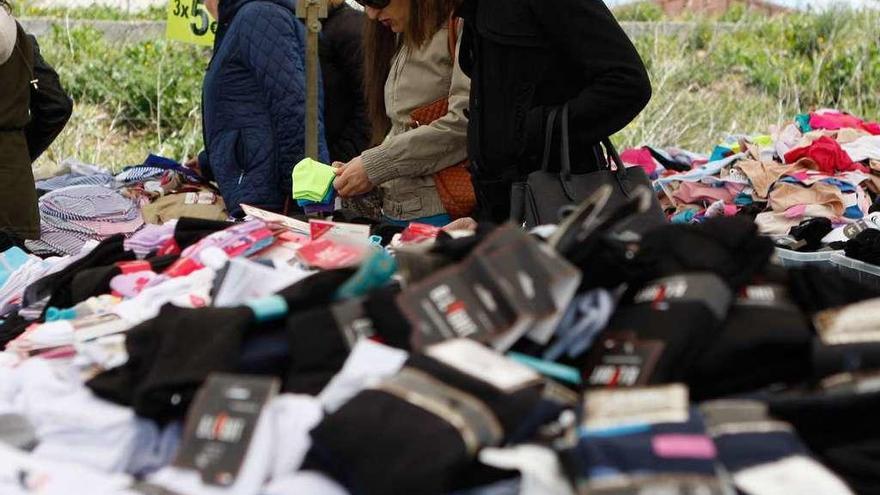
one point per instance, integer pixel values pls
(129, 99)
(145, 97)
(711, 83)
(27, 8)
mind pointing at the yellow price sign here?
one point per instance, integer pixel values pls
(190, 22)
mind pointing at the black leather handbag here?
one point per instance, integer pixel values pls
(545, 196)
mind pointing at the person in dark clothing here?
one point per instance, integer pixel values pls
(253, 103)
(526, 57)
(33, 111)
(345, 116)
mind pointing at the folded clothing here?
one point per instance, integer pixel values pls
(832, 421)
(653, 441)
(57, 287)
(764, 329)
(659, 334)
(815, 289)
(75, 179)
(66, 414)
(93, 282)
(327, 200)
(312, 180)
(10, 260)
(444, 406)
(765, 456)
(321, 339)
(72, 215)
(189, 231)
(729, 247)
(204, 204)
(865, 246)
(170, 356)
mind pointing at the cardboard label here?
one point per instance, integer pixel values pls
(353, 321)
(655, 485)
(329, 255)
(285, 248)
(461, 301)
(720, 412)
(293, 224)
(522, 264)
(221, 423)
(416, 233)
(349, 233)
(796, 474)
(706, 288)
(190, 22)
(95, 326)
(622, 360)
(856, 323)
(607, 409)
(482, 363)
(769, 295)
(503, 290)
(511, 257)
(683, 446)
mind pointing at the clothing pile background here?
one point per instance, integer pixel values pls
(801, 181)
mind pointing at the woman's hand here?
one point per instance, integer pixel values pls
(351, 179)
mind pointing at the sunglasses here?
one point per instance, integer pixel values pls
(376, 4)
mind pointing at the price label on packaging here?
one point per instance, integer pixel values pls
(190, 22)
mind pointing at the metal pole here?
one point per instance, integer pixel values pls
(312, 11)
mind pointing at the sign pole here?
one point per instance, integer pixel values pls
(312, 11)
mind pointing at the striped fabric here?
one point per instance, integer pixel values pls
(88, 203)
(72, 179)
(73, 215)
(42, 248)
(139, 174)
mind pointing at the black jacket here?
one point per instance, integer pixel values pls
(345, 117)
(525, 57)
(50, 106)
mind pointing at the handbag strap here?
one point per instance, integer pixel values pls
(452, 40)
(548, 139)
(611, 155)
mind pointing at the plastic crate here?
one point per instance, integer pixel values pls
(794, 259)
(856, 270)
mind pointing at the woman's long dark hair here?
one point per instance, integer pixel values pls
(426, 17)
(6, 5)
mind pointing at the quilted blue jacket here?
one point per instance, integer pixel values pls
(253, 103)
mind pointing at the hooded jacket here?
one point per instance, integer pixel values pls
(253, 103)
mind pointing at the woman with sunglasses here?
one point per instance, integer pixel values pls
(408, 64)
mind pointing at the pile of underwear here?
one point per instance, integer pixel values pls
(812, 183)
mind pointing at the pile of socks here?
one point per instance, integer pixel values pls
(313, 186)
